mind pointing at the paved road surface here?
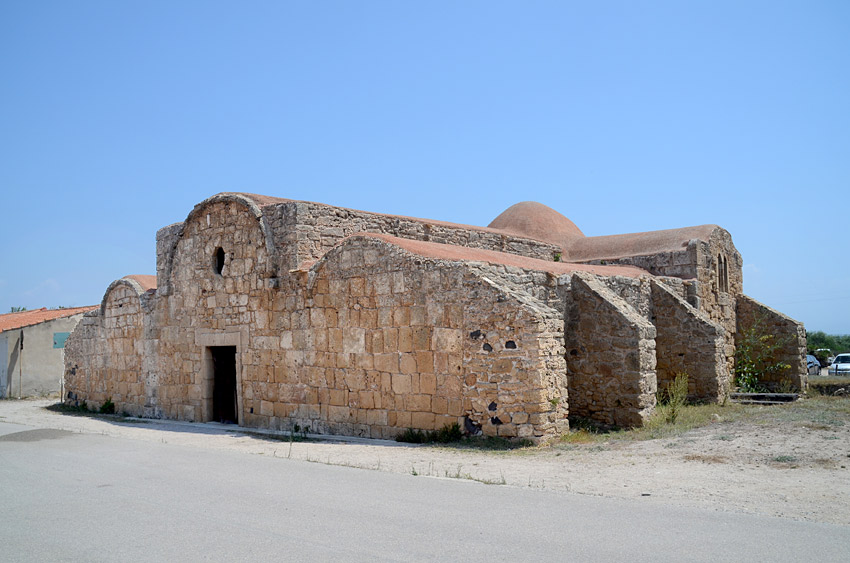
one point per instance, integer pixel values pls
(83, 497)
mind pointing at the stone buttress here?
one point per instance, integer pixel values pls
(283, 314)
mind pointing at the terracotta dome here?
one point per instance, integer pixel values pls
(537, 221)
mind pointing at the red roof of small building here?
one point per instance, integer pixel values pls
(11, 321)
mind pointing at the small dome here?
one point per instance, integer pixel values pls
(537, 221)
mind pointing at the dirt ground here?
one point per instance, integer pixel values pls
(790, 462)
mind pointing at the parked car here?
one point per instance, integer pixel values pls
(841, 365)
(813, 365)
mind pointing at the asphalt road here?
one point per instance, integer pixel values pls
(83, 497)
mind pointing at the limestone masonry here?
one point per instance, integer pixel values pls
(275, 313)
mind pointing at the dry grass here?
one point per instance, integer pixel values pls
(819, 380)
(706, 458)
(814, 413)
(582, 436)
(820, 411)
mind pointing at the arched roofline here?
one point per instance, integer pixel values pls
(537, 221)
(640, 244)
(526, 301)
(225, 197)
(253, 206)
(128, 281)
(432, 252)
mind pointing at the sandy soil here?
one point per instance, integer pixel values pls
(785, 469)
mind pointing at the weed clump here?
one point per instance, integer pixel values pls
(108, 407)
(756, 359)
(672, 400)
(446, 434)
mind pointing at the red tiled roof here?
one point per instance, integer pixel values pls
(636, 244)
(147, 282)
(263, 201)
(536, 221)
(451, 252)
(11, 321)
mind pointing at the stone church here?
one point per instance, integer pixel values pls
(272, 313)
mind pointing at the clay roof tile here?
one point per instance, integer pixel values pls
(11, 321)
(463, 253)
(146, 281)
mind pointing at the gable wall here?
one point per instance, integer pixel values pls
(717, 299)
(786, 336)
(610, 354)
(105, 356)
(688, 342)
(201, 301)
(374, 341)
(309, 230)
(371, 341)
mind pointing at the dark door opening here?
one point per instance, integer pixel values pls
(224, 384)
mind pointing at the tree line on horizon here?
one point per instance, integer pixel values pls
(837, 343)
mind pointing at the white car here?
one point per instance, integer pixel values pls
(840, 365)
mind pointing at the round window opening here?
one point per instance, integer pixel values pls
(218, 262)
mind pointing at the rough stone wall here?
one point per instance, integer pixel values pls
(203, 301)
(687, 341)
(610, 353)
(104, 356)
(361, 337)
(541, 286)
(718, 295)
(317, 228)
(634, 291)
(81, 357)
(681, 264)
(513, 361)
(684, 289)
(369, 341)
(705, 288)
(166, 239)
(790, 334)
(300, 232)
(386, 341)
(283, 222)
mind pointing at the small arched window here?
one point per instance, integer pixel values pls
(719, 279)
(722, 273)
(218, 260)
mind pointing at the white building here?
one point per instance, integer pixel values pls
(32, 350)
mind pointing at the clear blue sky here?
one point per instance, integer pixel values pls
(117, 117)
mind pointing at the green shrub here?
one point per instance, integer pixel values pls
(673, 398)
(411, 436)
(445, 435)
(755, 358)
(108, 407)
